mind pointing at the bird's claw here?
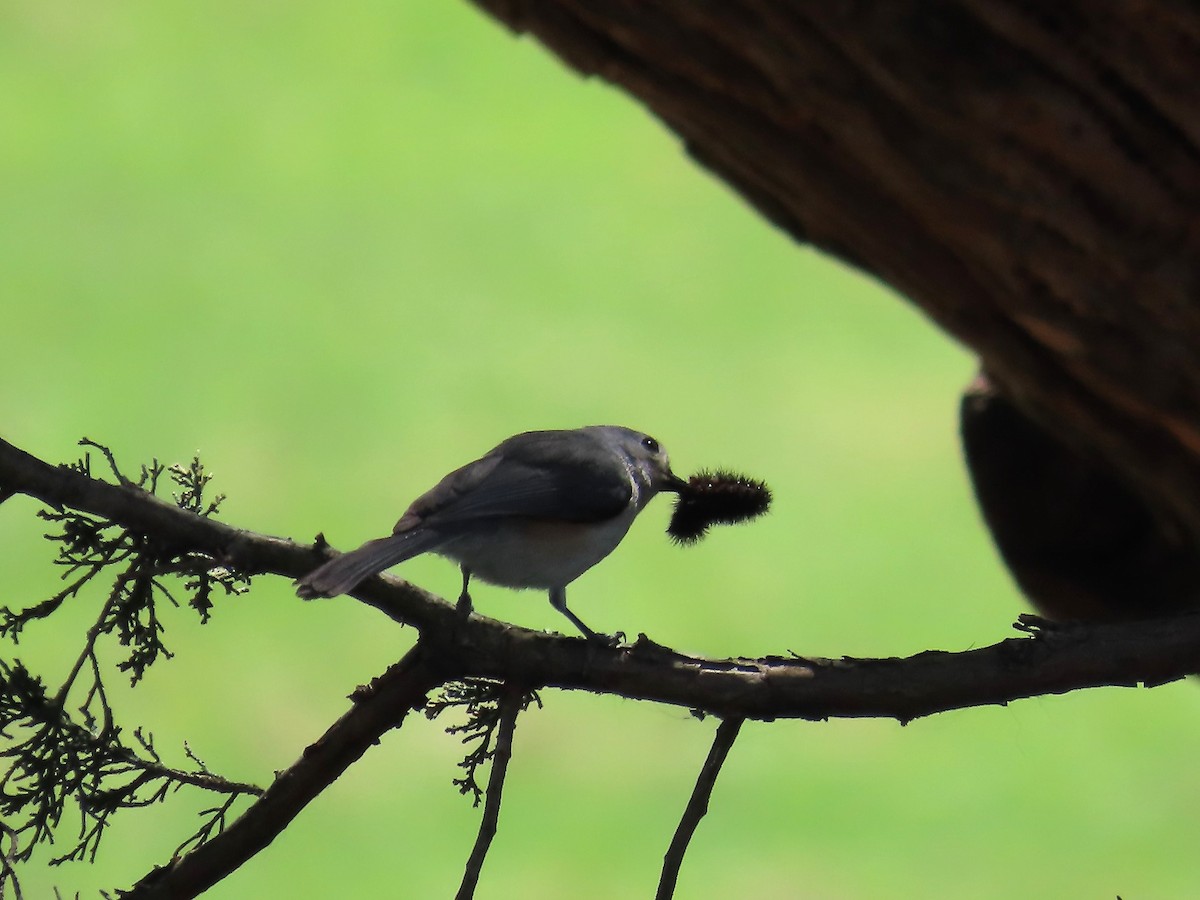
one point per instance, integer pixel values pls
(611, 641)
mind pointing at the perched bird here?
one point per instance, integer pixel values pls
(537, 511)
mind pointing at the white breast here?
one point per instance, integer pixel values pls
(524, 554)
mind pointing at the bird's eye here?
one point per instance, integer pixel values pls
(650, 444)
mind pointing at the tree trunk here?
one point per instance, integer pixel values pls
(1025, 172)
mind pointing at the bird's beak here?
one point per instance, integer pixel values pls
(673, 483)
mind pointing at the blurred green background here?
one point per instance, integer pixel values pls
(338, 250)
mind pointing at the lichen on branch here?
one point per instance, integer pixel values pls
(63, 749)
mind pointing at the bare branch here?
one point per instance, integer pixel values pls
(1047, 662)
(245, 551)
(10, 846)
(697, 806)
(377, 709)
(512, 701)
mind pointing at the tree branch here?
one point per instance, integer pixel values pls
(377, 709)
(1046, 662)
(246, 551)
(1049, 659)
(697, 806)
(511, 702)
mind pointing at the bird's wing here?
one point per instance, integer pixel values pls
(545, 475)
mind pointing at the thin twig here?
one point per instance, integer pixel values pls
(697, 806)
(511, 704)
(9, 848)
(108, 456)
(88, 652)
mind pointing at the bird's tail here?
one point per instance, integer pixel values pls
(343, 573)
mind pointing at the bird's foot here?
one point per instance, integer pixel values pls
(611, 641)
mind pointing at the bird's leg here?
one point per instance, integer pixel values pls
(464, 599)
(558, 599)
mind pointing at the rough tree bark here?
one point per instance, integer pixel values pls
(1027, 173)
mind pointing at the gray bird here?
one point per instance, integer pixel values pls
(538, 511)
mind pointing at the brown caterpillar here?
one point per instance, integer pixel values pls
(715, 498)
